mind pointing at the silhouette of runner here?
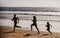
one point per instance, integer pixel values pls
(48, 27)
(16, 20)
(34, 24)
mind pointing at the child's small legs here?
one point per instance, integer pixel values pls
(49, 31)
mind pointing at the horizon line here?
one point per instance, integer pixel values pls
(31, 9)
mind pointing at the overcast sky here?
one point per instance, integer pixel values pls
(30, 3)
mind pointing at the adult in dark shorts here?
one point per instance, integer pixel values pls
(16, 20)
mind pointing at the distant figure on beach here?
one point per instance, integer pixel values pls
(48, 27)
(34, 24)
(16, 20)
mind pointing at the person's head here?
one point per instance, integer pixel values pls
(14, 15)
(34, 17)
(47, 22)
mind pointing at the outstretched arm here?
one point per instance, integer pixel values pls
(12, 19)
(46, 25)
(18, 20)
(50, 25)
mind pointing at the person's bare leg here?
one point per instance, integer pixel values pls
(14, 28)
(31, 27)
(37, 29)
(49, 31)
(18, 26)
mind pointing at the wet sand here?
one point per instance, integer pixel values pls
(7, 32)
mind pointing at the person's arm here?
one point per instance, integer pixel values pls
(32, 20)
(46, 25)
(18, 20)
(12, 19)
(50, 25)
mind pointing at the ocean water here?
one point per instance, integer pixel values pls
(26, 24)
(25, 21)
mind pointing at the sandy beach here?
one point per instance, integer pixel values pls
(7, 32)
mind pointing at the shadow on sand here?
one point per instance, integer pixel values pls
(8, 32)
(29, 35)
(45, 34)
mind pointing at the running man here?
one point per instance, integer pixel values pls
(16, 20)
(34, 24)
(48, 27)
